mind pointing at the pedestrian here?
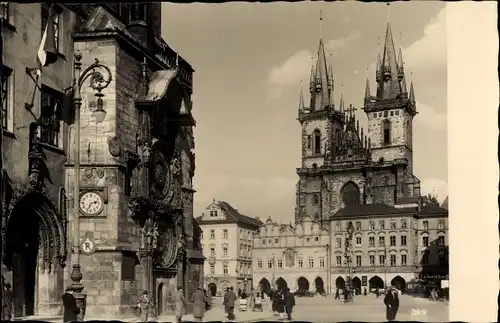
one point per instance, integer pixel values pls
(251, 299)
(243, 295)
(391, 301)
(239, 292)
(70, 308)
(7, 302)
(199, 301)
(226, 308)
(274, 301)
(289, 303)
(229, 301)
(337, 294)
(144, 306)
(377, 293)
(365, 292)
(209, 300)
(180, 304)
(280, 304)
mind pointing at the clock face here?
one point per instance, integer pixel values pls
(91, 203)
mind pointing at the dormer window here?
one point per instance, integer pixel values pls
(137, 12)
(213, 213)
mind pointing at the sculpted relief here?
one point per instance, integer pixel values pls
(290, 258)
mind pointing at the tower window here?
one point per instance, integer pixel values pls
(138, 12)
(387, 132)
(317, 141)
(315, 199)
(350, 194)
(309, 142)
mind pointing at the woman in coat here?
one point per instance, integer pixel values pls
(199, 300)
(391, 301)
(71, 310)
(280, 304)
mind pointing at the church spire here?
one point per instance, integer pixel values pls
(320, 98)
(367, 90)
(412, 94)
(311, 81)
(301, 99)
(388, 78)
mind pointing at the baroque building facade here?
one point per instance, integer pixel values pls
(228, 238)
(137, 165)
(367, 178)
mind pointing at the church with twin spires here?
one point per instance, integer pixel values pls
(363, 176)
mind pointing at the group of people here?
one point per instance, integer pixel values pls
(283, 302)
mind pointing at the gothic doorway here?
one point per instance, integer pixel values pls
(399, 282)
(265, 286)
(303, 283)
(212, 288)
(356, 284)
(340, 283)
(320, 287)
(159, 297)
(35, 246)
(281, 284)
(375, 283)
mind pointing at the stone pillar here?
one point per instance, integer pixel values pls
(146, 255)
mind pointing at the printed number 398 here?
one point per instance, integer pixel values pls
(417, 311)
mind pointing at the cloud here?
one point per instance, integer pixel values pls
(298, 66)
(430, 118)
(251, 196)
(434, 186)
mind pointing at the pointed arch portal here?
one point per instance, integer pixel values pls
(340, 283)
(320, 286)
(265, 286)
(303, 283)
(399, 282)
(356, 284)
(375, 283)
(212, 287)
(281, 284)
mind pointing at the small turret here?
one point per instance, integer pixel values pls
(301, 102)
(367, 91)
(412, 94)
(330, 78)
(401, 70)
(378, 68)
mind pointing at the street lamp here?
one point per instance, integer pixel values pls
(100, 77)
(273, 262)
(350, 232)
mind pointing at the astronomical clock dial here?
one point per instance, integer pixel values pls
(91, 203)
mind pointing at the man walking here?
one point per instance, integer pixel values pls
(144, 306)
(289, 303)
(229, 301)
(391, 301)
(7, 302)
(70, 309)
(337, 294)
(180, 304)
(199, 301)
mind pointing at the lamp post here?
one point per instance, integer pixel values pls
(350, 232)
(273, 262)
(98, 81)
(385, 266)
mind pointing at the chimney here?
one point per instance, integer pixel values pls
(420, 203)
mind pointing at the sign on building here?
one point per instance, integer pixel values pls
(364, 281)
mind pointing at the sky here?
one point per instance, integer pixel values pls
(249, 60)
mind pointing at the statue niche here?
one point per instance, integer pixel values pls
(161, 176)
(290, 258)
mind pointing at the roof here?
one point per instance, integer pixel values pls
(232, 216)
(427, 210)
(102, 20)
(444, 205)
(367, 210)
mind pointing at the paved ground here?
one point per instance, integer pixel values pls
(326, 309)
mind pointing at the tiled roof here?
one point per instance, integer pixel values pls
(232, 216)
(101, 20)
(427, 210)
(367, 210)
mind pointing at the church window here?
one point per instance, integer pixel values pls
(317, 141)
(309, 142)
(138, 12)
(350, 194)
(387, 132)
(315, 199)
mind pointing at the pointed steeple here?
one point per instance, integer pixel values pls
(403, 85)
(412, 94)
(367, 90)
(301, 100)
(378, 68)
(320, 98)
(400, 58)
(341, 102)
(330, 77)
(311, 80)
(388, 84)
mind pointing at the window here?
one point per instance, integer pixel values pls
(6, 96)
(348, 260)
(425, 241)
(371, 241)
(358, 225)
(403, 224)
(310, 262)
(358, 241)
(381, 241)
(350, 194)
(337, 226)
(276, 240)
(301, 262)
(308, 239)
(259, 263)
(387, 132)
(317, 141)
(212, 234)
(425, 259)
(392, 224)
(392, 241)
(270, 263)
(51, 108)
(316, 239)
(442, 259)
(224, 252)
(241, 249)
(56, 19)
(381, 259)
(322, 262)
(393, 260)
(426, 225)
(441, 224)
(225, 270)
(392, 113)
(138, 12)
(372, 260)
(225, 234)
(212, 252)
(213, 213)
(358, 261)
(386, 114)
(375, 115)
(371, 225)
(339, 261)
(397, 112)
(280, 263)
(338, 242)
(403, 260)
(403, 240)
(315, 199)
(264, 241)
(212, 270)
(381, 224)
(441, 241)
(309, 142)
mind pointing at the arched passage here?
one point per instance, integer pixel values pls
(159, 298)
(399, 282)
(303, 283)
(281, 284)
(340, 283)
(212, 287)
(265, 286)
(375, 282)
(35, 249)
(319, 284)
(356, 284)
